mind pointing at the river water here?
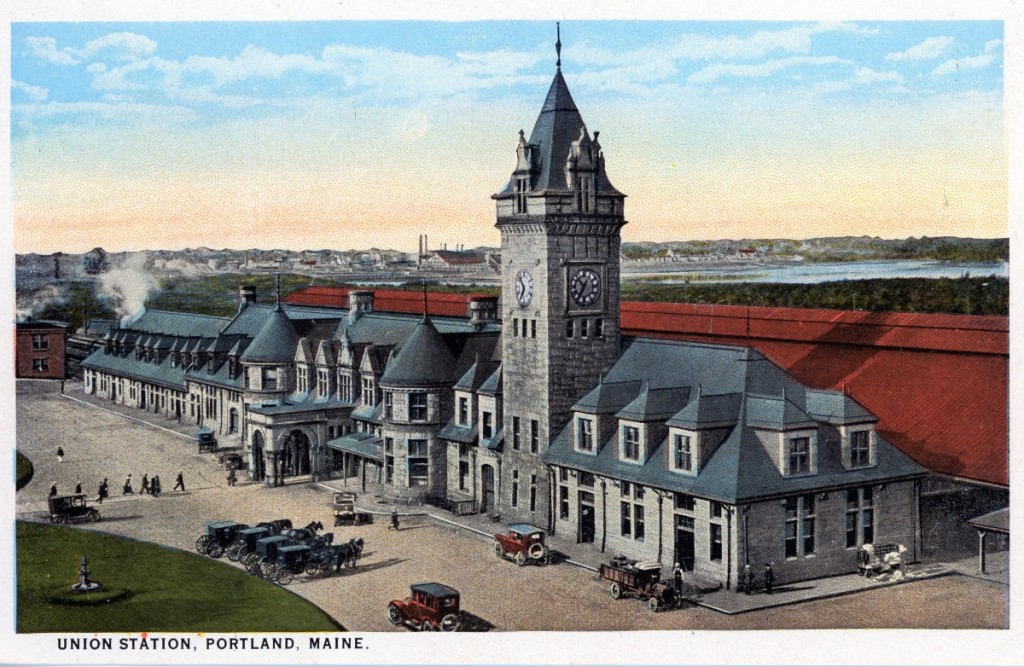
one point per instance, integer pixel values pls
(823, 272)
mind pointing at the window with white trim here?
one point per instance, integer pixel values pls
(584, 434)
(682, 457)
(630, 443)
(860, 516)
(799, 455)
(799, 525)
(860, 448)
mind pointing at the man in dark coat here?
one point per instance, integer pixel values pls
(60, 454)
(53, 489)
(394, 519)
(677, 577)
(145, 483)
(769, 578)
(104, 491)
(78, 487)
(127, 489)
(180, 482)
(155, 486)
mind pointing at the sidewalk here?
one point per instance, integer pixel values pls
(710, 595)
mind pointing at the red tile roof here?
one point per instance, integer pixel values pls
(937, 383)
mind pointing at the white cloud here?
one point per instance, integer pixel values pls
(105, 110)
(45, 48)
(712, 72)
(992, 44)
(34, 93)
(957, 64)
(867, 75)
(929, 49)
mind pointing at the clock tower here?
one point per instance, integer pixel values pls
(559, 218)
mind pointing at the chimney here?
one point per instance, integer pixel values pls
(360, 302)
(482, 309)
(246, 295)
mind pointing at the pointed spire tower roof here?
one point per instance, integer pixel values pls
(423, 361)
(276, 341)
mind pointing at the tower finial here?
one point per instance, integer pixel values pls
(558, 44)
(424, 285)
(277, 306)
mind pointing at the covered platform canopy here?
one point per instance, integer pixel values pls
(993, 522)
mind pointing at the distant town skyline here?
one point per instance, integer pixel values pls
(348, 135)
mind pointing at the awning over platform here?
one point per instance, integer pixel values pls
(997, 522)
(361, 444)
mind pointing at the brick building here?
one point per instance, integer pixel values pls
(39, 349)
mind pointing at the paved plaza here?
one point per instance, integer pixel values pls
(496, 594)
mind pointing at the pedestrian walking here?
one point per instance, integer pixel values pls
(103, 492)
(127, 488)
(231, 477)
(53, 489)
(180, 482)
(394, 519)
(154, 486)
(78, 487)
(747, 579)
(677, 577)
(145, 484)
(769, 578)
(60, 454)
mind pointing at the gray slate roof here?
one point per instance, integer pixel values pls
(276, 341)
(424, 360)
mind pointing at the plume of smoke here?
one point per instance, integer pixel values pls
(127, 285)
(30, 303)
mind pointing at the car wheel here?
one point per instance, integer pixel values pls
(615, 590)
(498, 550)
(427, 627)
(394, 615)
(450, 623)
(652, 604)
(521, 558)
(94, 516)
(284, 577)
(536, 551)
(201, 544)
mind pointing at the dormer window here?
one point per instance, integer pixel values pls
(860, 448)
(368, 391)
(389, 404)
(463, 410)
(269, 379)
(584, 434)
(630, 447)
(682, 452)
(486, 425)
(799, 455)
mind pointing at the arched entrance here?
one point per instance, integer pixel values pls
(295, 454)
(259, 465)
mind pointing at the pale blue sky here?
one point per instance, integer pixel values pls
(235, 129)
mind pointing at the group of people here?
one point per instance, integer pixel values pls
(748, 580)
(151, 486)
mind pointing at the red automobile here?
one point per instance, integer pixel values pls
(430, 606)
(522, 543)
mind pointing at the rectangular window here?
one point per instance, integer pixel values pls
(681, 455)
(638, 522)
(269, 379)
(40, 365)
(520, 200)
(563, 502)
(486, 426)
(563, 474)
(463, 410)
(321, 382)
(799, 455)
(587, 479)
(631, 443)
(799, 525)
(716, 542)
(417, 406)
(584, 329)
(684, 502)
(533, 328)
(533, 493)
(515, 327)
(860, 452)
(715, 508)
(534, 436)
(40, 342)
(626, 512)
(568, 329)
(367, 391)
(389, 404)
(463, 475)
(860, 516)
(516, 437)
(585, 434)
(515, 488)
(598, 328)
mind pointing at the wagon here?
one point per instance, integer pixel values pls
(205, 439)
(639, 579)
(245, 539)
(291, 560)
(258, 562)
(345, 513)
(430, 606)
(218, 536)
(522, 543)
(67, 509)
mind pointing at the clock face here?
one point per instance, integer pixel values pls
(524, 287)
(585, 287)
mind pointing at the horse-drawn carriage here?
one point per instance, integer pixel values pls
(218, 536)
(639, 579)
(245, 539)
(68, 509)
(205, 439)
(262, 560)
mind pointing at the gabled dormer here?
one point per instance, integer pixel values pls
(854, 426)
(788, 434)
(325, 365)
(490, 419)
(642, 421)
(594, 421)
(696, 431)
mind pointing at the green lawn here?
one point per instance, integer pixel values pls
(168, 590)
(23, 469)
